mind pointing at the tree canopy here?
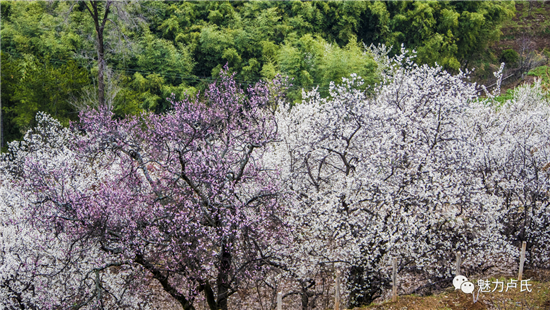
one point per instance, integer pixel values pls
(153, 49)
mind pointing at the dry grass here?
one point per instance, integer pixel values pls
(449, 299)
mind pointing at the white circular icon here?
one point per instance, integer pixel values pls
(458, 280)
(467, 287)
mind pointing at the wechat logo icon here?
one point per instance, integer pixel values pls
(462, 283)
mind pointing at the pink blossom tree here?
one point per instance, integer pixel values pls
(183, 195)
(42, 266)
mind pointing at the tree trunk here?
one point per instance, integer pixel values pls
(305, 298)
(223, 278)
(164, 281)
(1, 128)
(99, 27)
(209, 295)
(365, 285)
(101, 68)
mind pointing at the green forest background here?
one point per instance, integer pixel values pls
(153, 49)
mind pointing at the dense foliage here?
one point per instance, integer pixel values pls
(153, 49)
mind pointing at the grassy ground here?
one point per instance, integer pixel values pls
(538, 298)
(528, 33)
(451, 299)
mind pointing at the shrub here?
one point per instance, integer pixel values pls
(509, 56)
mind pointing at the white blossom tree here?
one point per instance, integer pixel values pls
(513, 139)
(386, 175)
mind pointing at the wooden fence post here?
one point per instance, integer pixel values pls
(458, 263)
(280, 301)
(394, 279)
(337, 291)
(522, 260)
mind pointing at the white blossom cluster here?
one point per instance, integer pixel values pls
(513, 163)
(417, 168)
